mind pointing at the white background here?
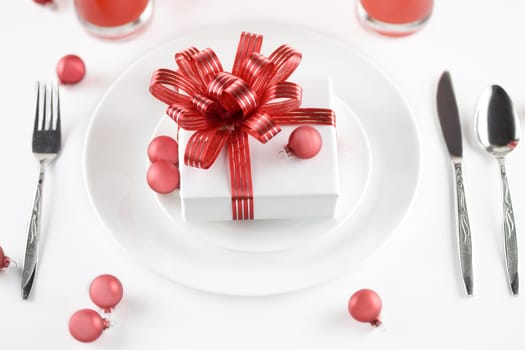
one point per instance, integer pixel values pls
(415, 272)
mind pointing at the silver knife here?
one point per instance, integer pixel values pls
(450, 126)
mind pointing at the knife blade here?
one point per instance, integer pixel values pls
(448, 114)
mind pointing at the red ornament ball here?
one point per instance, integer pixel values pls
(70, 69)
(106, 292)
(305, 142)
(43, 2)
(86, 325)
(163, 148)
(4, 260)
(365, 306)
(163, 177)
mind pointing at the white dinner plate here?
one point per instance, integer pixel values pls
(385, 137)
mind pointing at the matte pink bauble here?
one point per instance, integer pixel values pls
(4, 260)
(305, 142)
(70, 69)
(365, 306)
(163, 148)
(87, 325)
(106, 292)
(163, 177)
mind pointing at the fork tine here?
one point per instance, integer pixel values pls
(44, 108)
(37, 105)
(51, 110)
(58, 109)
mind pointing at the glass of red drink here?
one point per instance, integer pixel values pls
(113, 18)
(394, 17)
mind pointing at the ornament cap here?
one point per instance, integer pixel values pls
(376, 323)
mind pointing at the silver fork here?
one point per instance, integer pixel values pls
(46, 145)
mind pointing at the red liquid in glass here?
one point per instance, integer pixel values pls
(398, 11)
(110, 13)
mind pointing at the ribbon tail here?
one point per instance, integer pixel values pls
(240, 176)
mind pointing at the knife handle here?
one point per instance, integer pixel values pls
(509, 229)
(465, 239)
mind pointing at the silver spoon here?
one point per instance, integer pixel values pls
(498, 131)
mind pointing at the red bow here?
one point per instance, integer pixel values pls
(224, 108)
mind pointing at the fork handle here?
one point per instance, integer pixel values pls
(33, 236)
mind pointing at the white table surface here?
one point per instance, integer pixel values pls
(415, 271)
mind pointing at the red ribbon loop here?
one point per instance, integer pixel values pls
(261, 126)
(184, 62)
(286, 60)
(204, 146)
(248, 43)
(257, 71)
(167, 85)
(239, 96)
(186, 118)
(224, 108)
(281, 98)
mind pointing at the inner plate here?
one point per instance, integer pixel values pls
(121, 129)
(278, 235)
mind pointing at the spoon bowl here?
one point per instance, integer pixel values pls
(497, 123)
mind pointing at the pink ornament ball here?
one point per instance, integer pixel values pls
(163, 177)
(4, 260)
(86, 325)
(106, 292)
(365, 306)
(163, 148)
(70, 69)
(305, 142)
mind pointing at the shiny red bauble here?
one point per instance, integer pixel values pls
(43, 2)
(87, 325)
(70, 69)
(305, 142)
(163, 177)
(163, 148)
(106, 292)
(365, 306)
(4, 260)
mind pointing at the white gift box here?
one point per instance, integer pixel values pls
(282, 188)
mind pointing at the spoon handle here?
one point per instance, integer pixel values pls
(509, 228)
(465, 238)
